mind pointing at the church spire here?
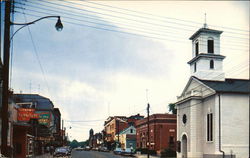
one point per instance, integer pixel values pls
(207, 63)
(205, 23)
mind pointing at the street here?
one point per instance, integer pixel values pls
(95, 154)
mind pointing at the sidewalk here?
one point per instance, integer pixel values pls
(44, 156)
(145, 156)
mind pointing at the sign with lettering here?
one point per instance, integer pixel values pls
(25, 114)
(44, 118)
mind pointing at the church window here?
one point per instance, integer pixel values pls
(210, 46)
(194, 67)
(196, 48)
(184, 119)
(210, 127)
(211, 64)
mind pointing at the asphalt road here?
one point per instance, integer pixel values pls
(95, 154)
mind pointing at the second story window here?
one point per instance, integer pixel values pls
(210, 46)
(211, 64)
(194, 67)
(196, 48)
(131, 130)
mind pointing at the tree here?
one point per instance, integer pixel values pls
(74, 144)
(171, 108)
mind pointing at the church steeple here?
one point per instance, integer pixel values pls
(206, 63)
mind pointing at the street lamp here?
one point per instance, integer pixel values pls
(58, 26)
(5, 70)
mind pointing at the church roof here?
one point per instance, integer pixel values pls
(206, 30)
(229, 85)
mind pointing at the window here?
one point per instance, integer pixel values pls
(210, 46)
(210, 127)
(184, 119)
(194, 67)
(131, 130)
(196, 48)
(211, 64)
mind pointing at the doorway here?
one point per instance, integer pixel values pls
(184, 146)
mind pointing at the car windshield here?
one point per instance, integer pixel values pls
(61, 150)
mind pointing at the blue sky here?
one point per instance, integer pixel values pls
(92, 73)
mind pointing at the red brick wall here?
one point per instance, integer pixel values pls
(161, 127)
(19, 137)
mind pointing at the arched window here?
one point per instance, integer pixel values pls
(210, 45)
(196, 48)
(211, 64)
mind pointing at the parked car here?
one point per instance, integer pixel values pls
(117, 151)
(127, 152)
(87, 148)
(61, 151)
(79, 149)
(103, 149)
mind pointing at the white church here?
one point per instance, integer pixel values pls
(212, 111)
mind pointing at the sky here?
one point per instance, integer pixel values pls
(113, 57)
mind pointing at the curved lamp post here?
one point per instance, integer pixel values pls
(5, 71)
(58, 26)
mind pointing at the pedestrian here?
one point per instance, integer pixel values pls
(51, 150)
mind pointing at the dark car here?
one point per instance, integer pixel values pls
(127, 152)
(117, 151)
(62, 151)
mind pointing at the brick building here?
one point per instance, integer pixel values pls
(162, 129)
(115, 124)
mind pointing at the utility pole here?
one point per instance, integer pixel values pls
(62, 133)
(5, 92)
(148, 130)
(118, 130)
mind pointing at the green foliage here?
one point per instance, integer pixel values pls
(171, 108)
(145, 151)
(74, 144)
(168, 153)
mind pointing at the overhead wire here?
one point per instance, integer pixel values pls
(104, 14)
(163, 17)
(37, 56)
(91, 18)
(124, 32)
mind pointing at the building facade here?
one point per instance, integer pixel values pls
(162, 128)
(127, 138)
(212, 111)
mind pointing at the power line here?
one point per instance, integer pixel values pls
(36, 55)
(164, 17)
(102, 20)
(119, 31)
(134, 20)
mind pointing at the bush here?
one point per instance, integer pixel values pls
(168, 153)
(145, 151)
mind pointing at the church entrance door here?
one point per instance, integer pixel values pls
(184, 146)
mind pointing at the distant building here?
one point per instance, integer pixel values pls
(213, 112)
(115, 124)
(127, 138)
(162, 128)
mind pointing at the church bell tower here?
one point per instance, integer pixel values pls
(207, 63)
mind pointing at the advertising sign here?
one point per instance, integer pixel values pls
(44, 118)
(25, 114)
